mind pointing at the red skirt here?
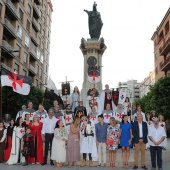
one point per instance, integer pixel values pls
(8, 150)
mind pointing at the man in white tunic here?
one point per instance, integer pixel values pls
(108, 113)
(93, 115)
(42, 114)
(29, 111)
(119, 112)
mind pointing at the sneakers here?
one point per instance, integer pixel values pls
(99, 165)
(104, 164)
(135, 167)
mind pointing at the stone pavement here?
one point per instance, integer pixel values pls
(166, 163)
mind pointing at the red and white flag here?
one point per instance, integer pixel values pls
(21, 84)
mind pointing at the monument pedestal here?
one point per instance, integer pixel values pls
(92, 50)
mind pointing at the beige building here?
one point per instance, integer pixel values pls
(146, 83)
(25, 27)
(161, 38)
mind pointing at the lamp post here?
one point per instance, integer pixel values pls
(9, 51)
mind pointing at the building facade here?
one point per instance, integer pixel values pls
(25, 30)
(133, 89)
(146, 83)
(161, 39)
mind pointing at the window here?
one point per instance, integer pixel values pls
(18, 48)
(161, 36)
(38, 54)
(155, 57)
(46, 69)
(19, 32)
(27, 40)
(156, 70)
(37, 83)
(21, 14)
(41, 73)
(42, 59)
(25, 57)
(167, 27)
(24, 72)
(45, 80)
(37, 67)
(16, 67)
(160, 65)
(28, 25)
(29, 9)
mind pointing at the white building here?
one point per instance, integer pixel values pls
(146, 83)
(133, 89)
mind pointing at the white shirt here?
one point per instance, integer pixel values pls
(156, 134)
(4, 135)
(140, 130)
(143, 115)
(49, 125)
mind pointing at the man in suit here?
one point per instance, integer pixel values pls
(140, 133)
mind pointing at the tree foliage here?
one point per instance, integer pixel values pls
(158, 98)
(12, 102)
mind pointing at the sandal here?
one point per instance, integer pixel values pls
(113, 165)
(124, 165)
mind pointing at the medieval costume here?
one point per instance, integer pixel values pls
(88, 142)
(94, 117)
(8, 143)
(68, 119)
(80, 110)
(59, 114)
(107, 114)
(3, 132)
(59, 146)
(118, 114)
(106, 97)
(36, 132)
(30, 112)
(19, 114)
(74, 100)
(28, 147)
(16, 156)
(41, 115)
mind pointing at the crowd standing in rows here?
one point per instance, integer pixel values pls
(89, 131)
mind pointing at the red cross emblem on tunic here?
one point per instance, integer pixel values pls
(31, 114)
(93, 99)
(93, 75)
(162, 125)
(68, 118)
(41, 117)
(107, 116)
(21, 130)
(93, 117)
(119, 115)
(27, 139)
(14, 80)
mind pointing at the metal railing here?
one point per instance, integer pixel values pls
(33, 69)
(36, 24)
(10, 26)
(7, 46)
(37, 10)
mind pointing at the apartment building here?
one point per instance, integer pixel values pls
(146, 83)
(132, 88)
(25, 30)
(161, 39)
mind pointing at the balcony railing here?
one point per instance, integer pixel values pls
(33, 69)
(37, 11)
(33, 51)
(7, 46)
(34, 38)
(10, 28)
(12, 8)
(36, 25)
(166, 64)
(165, 48)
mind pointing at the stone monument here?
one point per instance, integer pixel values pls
(92, 49)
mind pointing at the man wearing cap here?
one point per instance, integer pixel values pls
(19, 114)
(156, 136)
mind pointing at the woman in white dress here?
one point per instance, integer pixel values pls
(58, 146)
(18, 132)
(162, 124)
(75, 97)
(149, 124)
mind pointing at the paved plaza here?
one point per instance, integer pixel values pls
(166, 163)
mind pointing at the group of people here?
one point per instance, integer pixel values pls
(80, 130)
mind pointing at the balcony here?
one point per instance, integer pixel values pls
(38, 2)
(9, 30)
(35, 25)
(33, 70)
(7, 49)
(11, 10)
(166, 65)
(36, 12)
(33, 52)
(165, 49)
(34, 38)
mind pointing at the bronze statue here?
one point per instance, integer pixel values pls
(95, 22)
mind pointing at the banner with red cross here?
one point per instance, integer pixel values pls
(94, 75)
(115, 97)
(68, 118)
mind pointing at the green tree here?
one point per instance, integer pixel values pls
(12, 102)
